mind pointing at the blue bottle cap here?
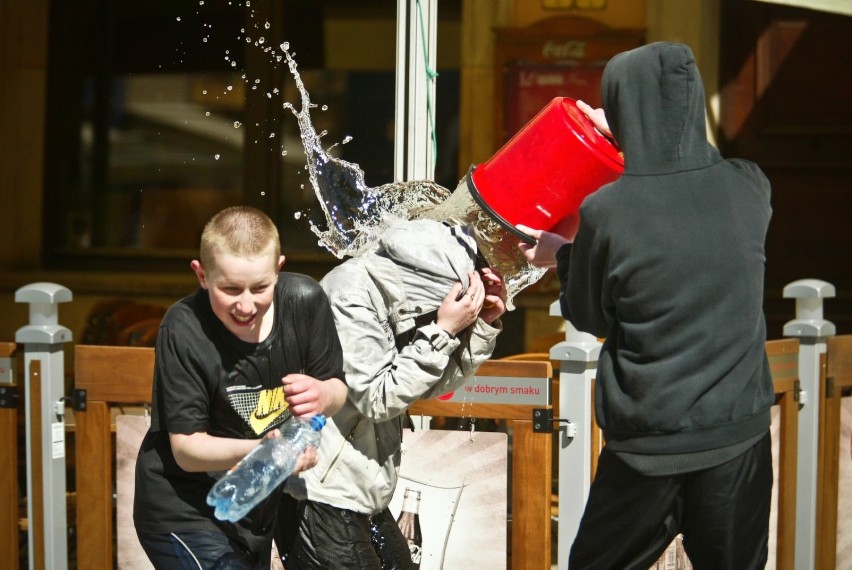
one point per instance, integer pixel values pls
(317, 422)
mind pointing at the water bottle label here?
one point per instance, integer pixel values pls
(416, 553)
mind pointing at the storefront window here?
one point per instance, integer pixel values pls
(161, 113)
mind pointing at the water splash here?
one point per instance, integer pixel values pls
(355, 214)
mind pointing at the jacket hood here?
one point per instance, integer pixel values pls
(429, 257)
(654, 101)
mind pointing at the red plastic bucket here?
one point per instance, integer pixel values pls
(543, 173)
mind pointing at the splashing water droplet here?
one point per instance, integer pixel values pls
(297, 215)
(207, 114)
(324, 107)
(217, 156)
(237, 124)
(356, 215)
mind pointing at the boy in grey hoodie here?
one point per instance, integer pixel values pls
(668, 266)
(416, 318)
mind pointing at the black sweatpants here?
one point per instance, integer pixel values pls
(329, 537)
(723, 513)
(201, 550)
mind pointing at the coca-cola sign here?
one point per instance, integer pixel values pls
(571, 49)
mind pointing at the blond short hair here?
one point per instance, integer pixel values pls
(242, 231)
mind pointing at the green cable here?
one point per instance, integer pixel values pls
(431, 74)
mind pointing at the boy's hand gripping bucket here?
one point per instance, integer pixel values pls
(543, 173)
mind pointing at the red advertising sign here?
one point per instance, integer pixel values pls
(530, 87)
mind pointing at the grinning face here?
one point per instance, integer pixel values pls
(242, 292)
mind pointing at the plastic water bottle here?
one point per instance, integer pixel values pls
(263, 469)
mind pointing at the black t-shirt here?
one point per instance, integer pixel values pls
(208, 380)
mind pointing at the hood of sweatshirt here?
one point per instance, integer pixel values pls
(653, 98)
(428, 258)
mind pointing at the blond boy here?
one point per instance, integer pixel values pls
(250, 348)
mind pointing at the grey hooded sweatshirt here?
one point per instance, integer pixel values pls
(668, 266)
(391, 358)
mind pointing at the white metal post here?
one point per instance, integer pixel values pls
(578, 358)
(401, 86)
(416, 39)
(812, 330)
(43, 338)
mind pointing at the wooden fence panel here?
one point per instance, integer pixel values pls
(836, 381)
(784, 364)
(110, 375)
(122, 375)
(9, 533)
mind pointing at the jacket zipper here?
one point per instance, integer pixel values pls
(347, 439)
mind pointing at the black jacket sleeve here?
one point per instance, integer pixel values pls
(563, 262)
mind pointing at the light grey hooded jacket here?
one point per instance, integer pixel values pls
(376, 298)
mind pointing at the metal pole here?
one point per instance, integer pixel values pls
(417, 25)
(812, 331)
(401, 85)
(43, 338)
(578, 359)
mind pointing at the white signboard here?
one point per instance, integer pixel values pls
(502, 390)
(461, 480)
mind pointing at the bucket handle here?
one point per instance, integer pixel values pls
(471, 187)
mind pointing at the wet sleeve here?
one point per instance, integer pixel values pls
(383, 381)
(181, 394)
(326, 355)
